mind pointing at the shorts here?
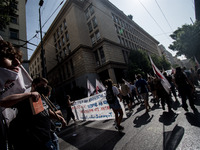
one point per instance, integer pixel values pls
(144, 96)
(127, 99)
(115, 105)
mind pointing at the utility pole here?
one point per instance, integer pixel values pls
(41, 44)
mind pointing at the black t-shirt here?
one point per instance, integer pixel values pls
(181, 79)
(34, 129)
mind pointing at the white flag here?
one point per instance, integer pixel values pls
(90, 88)
(127, 83)
(99, 87)
(197, 63)
(13, 83)
(166, 85)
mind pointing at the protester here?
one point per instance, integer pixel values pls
(68, 108)
(133, 93)
(152, 88)
(171, 82)
(33, 129)
(112, 93)
(142, 90)
(185, 88)
(163, 95)
(12, 87)
(126, 95)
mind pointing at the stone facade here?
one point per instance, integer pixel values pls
(89, 39)
(15, 32)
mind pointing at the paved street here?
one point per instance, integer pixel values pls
(156, 130)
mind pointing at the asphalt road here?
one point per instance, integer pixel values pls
(156, 130)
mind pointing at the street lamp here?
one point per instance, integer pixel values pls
(42, 49)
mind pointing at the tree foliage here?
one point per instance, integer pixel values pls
(187, 40)
(7, 8)
(139, 63)
(160, 62)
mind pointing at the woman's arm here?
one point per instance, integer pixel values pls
(11, 100)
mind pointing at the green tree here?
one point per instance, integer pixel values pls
(138, 63)
(160, 62)
(187, 40)
(7, 8)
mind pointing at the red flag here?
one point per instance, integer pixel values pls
(166, 85)
(99, 86)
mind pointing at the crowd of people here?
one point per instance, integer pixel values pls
(21, 128)
(182, 83)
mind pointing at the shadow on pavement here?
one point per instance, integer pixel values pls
(193, 119)
(167, 118)
(175, 105)
(142, 120)
(86, 138)
(139, 109)
(173, 138)
(155, 106)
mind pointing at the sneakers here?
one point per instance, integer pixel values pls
(119, 128)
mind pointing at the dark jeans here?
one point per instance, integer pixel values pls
(70, 114)
(186, 92)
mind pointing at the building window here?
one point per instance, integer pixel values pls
(90, 26)
(91, 9)
(92, 39)
(87, 14)
(54, 37)
(72, 66)
(65, 51)
(59, 44)
(94, 22)
(61, 55)
(56, 46)
(63, 40)
(101, 52)
(14, 19)
(61, 29)
(125, 55)
(119, 39)
(97, 58)
(68, 48)
(65, 24)
(67, 36)
(97, 35)
(58, 34)
(14, 34)
(113, 17)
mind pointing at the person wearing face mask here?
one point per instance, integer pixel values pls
(35, 129)
(14, 85)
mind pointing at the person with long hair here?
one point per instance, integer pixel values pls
(112, 93)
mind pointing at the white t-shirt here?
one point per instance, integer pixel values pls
(115, 90)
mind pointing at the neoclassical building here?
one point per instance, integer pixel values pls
(89, 39)
(15, 32)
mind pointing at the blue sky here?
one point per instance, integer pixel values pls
(158, 17)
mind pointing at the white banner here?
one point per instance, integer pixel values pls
(94, 108)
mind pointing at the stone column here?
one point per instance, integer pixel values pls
(111, 73)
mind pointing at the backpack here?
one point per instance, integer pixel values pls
(110, 97)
